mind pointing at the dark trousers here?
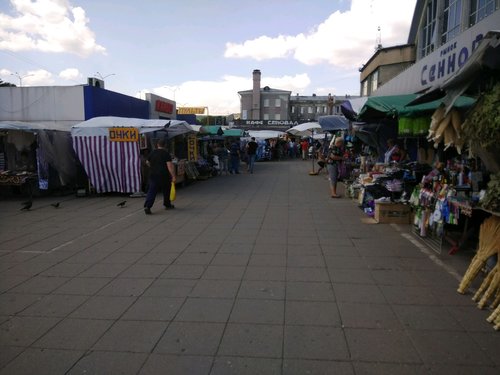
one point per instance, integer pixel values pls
(157, 183)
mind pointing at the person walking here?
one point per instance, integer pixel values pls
(161, 176)
(335, 156)
(234, 153)
(252, 154)
(223, 154)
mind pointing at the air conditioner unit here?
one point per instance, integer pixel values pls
(96, 82)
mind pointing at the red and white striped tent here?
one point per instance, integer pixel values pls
(115, 166)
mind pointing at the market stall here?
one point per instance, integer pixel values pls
(36, 156)
(109, 149)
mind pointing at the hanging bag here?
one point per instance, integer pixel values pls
(172, 192)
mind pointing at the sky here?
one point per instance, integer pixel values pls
(198, 52)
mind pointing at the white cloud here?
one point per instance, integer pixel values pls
(70, 74)
(344, 39)
(47, 26)
(221, 97)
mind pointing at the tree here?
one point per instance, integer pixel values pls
(6, 84)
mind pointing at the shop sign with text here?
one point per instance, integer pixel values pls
(123, 134)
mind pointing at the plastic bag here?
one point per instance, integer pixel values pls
(172, 192)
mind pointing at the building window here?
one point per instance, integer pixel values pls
(428, 37)
(277, 116)
(452, 17)
(293, 109)
(266, 116)
(266, 102)
(374, 79)
(301, 110)
(244, 114)
(310, 110)
(364, 88)
(277, 103)
(480, 9)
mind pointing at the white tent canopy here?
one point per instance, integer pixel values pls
(98, 126)
(265, 134)
(306, 129)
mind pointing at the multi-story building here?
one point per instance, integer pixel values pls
(446, 35)
(385, 64)
(309, 108)
(264, 103)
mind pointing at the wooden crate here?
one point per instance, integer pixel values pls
(392, 213)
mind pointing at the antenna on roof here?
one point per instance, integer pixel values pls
(378, 41)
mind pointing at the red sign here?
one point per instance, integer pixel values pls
(164, 107)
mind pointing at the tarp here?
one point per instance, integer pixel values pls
(377, 107)
(221, 131)
(53, 150)
(333, 123)
(115, 166)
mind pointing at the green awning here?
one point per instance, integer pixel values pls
(377, 107)
(217, 130)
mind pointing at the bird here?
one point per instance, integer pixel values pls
(55, 205)
(121, 204)
(26, 205)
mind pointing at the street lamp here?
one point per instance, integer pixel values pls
(20, 77)
(99, 75)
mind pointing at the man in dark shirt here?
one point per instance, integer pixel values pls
(161, 175)
(251, 153)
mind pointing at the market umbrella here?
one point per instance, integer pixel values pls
(306, 129)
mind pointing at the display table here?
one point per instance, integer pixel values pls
(22, 180)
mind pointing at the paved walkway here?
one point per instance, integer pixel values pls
(250, 274)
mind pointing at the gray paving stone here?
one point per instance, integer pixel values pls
(65, 269)
(194, 258)
(258, 311)
(267, 260)
(308, 366)
(131, 336)
(170, 288)
(24, 330)
(366, 293)
(365, 315)
(309, 291)
(335, 262)
(127, 287)
(13, 303)
(8, 353)
(314, 342)
(103, 307)
(154, 308)
(381, 345)
(56, 305)
(314, 274)
(104, 270)
(100, 362)
(74, 334)
(426, 317)
(224, 272)
(262, 289)
(448, 347)
(158, 257)
(215, 288)
(40, 285)
(377, 368)
(305, 261)
(408, 295)
(351, 276)
(246, 366)
(42, 362)
(252, 340)
(171, 364)
(230, 260)
(321, 313)
(85, 286)
(265, 273)
(191, 338)
(143, 271)
(205, 310)
(177, 271)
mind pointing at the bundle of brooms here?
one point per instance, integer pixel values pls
(489, 244)
(446, 128)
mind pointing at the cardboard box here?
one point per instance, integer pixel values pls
(392, 213)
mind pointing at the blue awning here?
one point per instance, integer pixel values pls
(333, 123)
